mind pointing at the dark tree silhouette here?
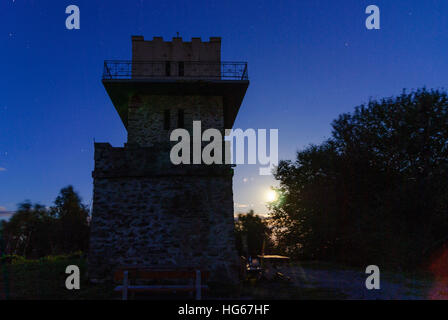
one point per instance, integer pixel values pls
(28, 232)
(72, 215)
(35, 231)
(376, 191)
(250, 232)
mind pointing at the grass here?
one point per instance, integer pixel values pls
(45, 279)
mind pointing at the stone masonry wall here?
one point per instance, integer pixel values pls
(146, 116)
(149, 212)
(177, 222)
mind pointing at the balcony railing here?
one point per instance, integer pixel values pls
(204, 70)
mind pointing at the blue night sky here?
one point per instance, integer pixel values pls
(308, 60)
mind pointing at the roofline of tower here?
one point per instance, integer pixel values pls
(233, 91)
(158, 38)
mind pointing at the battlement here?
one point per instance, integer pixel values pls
(176, 50)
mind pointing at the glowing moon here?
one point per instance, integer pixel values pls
(271, 196)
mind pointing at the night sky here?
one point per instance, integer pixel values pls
(309, 61)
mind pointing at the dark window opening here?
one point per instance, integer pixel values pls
(166, 120)
(181, 69)
(167, 68)
(180, 118)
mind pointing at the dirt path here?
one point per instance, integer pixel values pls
(351, 283)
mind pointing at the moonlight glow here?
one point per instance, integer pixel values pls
(271, 196)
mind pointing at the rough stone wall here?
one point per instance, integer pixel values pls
(149, 212)
(177, 222)
(146, 116)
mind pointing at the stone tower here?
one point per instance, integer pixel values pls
(146, 210)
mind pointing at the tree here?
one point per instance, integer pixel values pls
(28, 232)
(72, 215)
(251, 234)
(35, 231)
(375, 191)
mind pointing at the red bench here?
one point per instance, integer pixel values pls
(130, 276)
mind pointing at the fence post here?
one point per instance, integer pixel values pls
(198, 285)
(125, 286)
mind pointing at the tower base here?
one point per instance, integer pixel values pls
(160, 216)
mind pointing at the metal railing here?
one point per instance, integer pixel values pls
(120, 69)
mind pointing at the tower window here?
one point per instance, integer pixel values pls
(167, 68)
(180, 118)
(181, 69)
(166, 120)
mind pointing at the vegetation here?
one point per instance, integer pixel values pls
(376, 191)
(35, 231)
(251, 234)
(44, 278)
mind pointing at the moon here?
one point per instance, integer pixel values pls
(271, 196)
